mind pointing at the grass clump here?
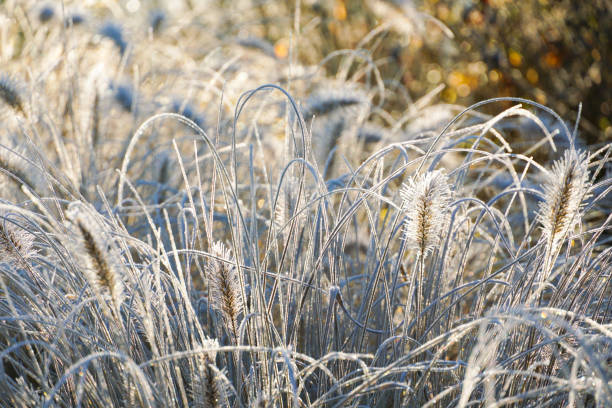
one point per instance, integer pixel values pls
(238, 225)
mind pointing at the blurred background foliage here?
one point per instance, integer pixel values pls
(554, 52)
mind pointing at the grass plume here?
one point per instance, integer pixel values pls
(10, 92)
(565, 189)
(100, 271)
(425, 199)
(114, 32)
(225, 292)
(209, 390)
(16, 245)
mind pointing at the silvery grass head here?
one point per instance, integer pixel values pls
(225, 292)
(11, 92)
(16, 244)
(426, 199)
(188, 110)
(326, 101)
(124, 95)
(46, 13)
(157, 19)
(114, 32)
(97, 254)
(17, 168)
(566, 187)
(208, 389)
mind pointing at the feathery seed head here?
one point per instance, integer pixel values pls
(565, 188)
(187, 109)
(124, 95)
(326, 101)
(208, 390)
(16, 244)
(157, 18)
(99, 261)
(287, 196)
(114, 32)
(74, 19)
(10, 92)
(225, 287)
(426, 199)
(46, 13)
(15, 167)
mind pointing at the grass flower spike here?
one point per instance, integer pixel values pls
(100, 270)
(564, 191)
(425, 200)
(225, 290)
(114, 32)
(208, 389)
(16, 245)
(10, 93)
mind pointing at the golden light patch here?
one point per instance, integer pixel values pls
(540, 96)
(476, 17)
(449, 95)
(281, 50)
(463, 90)
(434, 76)
(456, 78)
(339, 10)
(552, 59)
(383, 214)
(494, 75)
(532, 76)
(515, 58)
